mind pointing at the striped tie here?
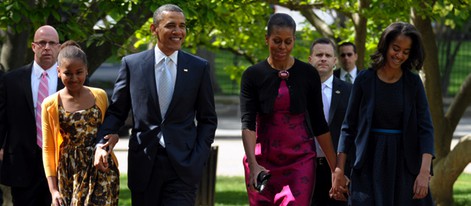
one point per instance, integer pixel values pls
(43, 92)
(348, 78)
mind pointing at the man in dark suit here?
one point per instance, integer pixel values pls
(168, 147)
(1, 149)
(22, 167)
(335, 98)
(348, 57)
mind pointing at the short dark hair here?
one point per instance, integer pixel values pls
(323, 40)
(347, 43)
(166, 7)
(280, 20)
(416, 55)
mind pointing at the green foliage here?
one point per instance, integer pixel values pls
(237, 26)
(453, 13)
(460, 68)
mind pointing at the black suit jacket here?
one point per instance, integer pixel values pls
(338, 106)
(188, 142)
(22, 158)
(417, 129)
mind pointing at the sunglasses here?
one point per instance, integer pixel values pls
(346, 54)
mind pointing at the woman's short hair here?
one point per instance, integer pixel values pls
(280, 20)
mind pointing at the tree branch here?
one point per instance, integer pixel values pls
(458, 158)
(320, 25)
(138, 15)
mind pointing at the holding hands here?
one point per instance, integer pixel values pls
(340, 182)
(339, 190)
(102, 152)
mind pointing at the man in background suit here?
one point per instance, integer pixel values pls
(2, 187)
(348, 57)
(168, 147)
(22, 167)
(335, 98)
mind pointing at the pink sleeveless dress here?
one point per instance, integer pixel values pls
(288, 152)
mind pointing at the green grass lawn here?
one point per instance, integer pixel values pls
(231, 191)
(462, 190)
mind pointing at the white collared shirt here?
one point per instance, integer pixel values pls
(327, 87)
(172, 67)
(352, 73)
(52, 79)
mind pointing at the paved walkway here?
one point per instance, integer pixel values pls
(231, 150)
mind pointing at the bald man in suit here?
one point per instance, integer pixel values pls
(22, 167)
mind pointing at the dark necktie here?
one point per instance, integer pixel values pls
(348, 78)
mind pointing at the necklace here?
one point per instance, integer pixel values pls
(282, 73)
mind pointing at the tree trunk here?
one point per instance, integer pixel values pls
(210, 56)
(360, 22)
(432, 83)
(14, 48)
(448, 169)
(448, 165)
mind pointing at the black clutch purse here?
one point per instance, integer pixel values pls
(262, 179)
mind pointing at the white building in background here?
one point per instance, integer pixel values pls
(299, 18)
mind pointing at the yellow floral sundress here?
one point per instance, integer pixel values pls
(80, 183)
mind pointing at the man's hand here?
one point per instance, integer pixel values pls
(112, 140)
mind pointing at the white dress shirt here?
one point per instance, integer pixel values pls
(326, 100)
(352, 73)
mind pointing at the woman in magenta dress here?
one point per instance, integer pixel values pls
(282, 112)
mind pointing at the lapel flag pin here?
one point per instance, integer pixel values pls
(337, 92)
(185, 70)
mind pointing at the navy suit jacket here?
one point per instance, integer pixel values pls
(188, 142)
(21, 155)
(417, 129)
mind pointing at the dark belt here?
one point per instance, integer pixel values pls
(161, 150)
(321, 161)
